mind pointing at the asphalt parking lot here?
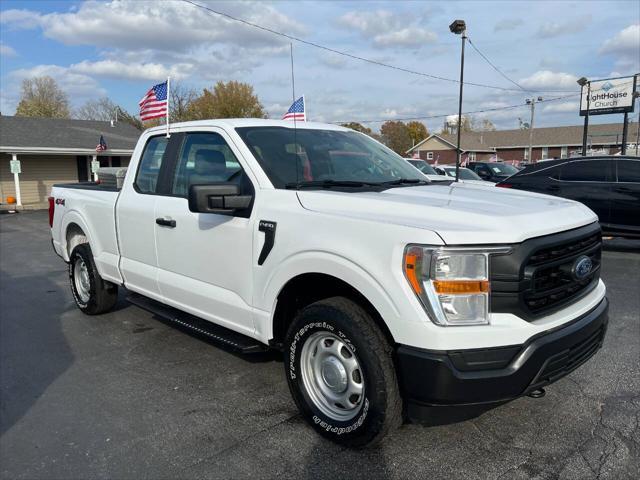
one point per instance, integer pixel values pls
(125, 395)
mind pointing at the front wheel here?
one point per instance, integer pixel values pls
(92, 294)
(340, 372)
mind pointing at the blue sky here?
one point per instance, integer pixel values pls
(120, 48)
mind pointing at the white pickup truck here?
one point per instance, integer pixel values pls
(389, 296)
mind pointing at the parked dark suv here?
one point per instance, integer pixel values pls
(492, 171)
(610, 186)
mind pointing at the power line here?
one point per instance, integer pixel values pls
(496, 68)
(346, 54)
(430, 117)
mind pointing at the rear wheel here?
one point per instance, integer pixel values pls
(92, 294)
(340, 372)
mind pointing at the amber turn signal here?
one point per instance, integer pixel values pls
(412, 261)
(457, 287)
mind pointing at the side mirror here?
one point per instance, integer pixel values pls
(483, 174)
(222, 198)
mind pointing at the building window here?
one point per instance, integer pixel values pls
(526, 154)
(429, 155)
(564, 152)
(545, 152)
(472, 156)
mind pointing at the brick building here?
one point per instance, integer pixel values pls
(513, 145)
(53, 150)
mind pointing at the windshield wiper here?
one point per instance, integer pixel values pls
(329, 184)
(406, 181)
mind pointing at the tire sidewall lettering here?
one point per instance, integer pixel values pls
(298, 339)
(76, 297)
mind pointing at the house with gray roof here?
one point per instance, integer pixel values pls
(54, 150)
(513, 145)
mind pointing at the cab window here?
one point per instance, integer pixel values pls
(205, 158)
(586, 171)
(629, 171)
(150, 163)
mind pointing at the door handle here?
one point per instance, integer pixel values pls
(166, 222)
(622, 189)
(553, 188)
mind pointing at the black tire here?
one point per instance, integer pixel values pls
(380, 406)
(102, 295)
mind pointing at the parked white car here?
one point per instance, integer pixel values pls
(465, 175)
(382, 290)
(427, 170)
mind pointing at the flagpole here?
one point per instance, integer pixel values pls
(306, 110)
(168, 102)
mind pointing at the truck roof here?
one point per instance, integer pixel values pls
(251, 122)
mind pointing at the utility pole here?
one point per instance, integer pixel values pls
(532, 102)
(459, 27)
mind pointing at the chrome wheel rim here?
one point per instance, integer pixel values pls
(332, 376)
(81, 280)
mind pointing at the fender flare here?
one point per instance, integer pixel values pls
(73, 216)
(334, 265)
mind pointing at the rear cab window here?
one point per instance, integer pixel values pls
(149, 169)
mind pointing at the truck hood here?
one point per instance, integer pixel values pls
(458, 213)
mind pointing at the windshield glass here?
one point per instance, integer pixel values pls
(423, 166)
(465, 174)
(291, 157)
(502, 169)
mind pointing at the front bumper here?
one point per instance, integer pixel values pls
(494, 375)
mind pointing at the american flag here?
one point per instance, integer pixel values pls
(154, 103)
(296, 111)
(102, 145)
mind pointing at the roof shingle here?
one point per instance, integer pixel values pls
(60, 133)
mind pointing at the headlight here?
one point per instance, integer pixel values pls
(452, 284)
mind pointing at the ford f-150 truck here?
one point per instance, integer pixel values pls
(387, 294)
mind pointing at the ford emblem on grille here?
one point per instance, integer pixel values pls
(582, 267)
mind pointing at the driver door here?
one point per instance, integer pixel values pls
(205, 259)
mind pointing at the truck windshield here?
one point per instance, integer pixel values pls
(322, 158)
(423, 166)
(503, 169)
(465, 173)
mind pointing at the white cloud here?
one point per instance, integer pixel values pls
(508, 24)
(386, 29)
(406, 37)
(565, 107)
(548, 80)
(626, 42)
(7, 51)
(20, 19)
(625, 48)
(143, 24)
(79, 87)
(131, 71)
(573, 25)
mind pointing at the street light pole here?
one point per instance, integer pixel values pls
(459, 27)
(582, 82)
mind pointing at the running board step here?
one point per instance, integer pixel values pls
(221, 335)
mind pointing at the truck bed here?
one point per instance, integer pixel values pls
(87, 186)
(88, 209)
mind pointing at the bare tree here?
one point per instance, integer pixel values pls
(181, 98)
(42, 97)
(104, 109)
(101, 109)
